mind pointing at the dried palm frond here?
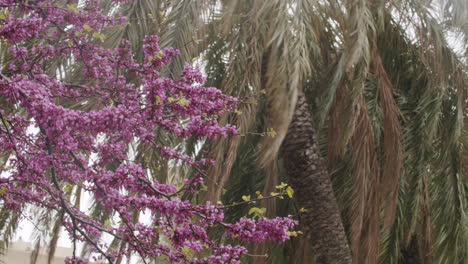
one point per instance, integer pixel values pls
(366, 197)
(392, 137)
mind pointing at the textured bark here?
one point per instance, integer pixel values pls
(410, 254)
(308, 176)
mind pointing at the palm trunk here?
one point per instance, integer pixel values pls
(410, 254)
(309, 177)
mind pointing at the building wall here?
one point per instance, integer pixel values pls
(20, 253)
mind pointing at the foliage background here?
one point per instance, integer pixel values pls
(385, 86)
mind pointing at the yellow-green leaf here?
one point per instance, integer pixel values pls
(73, 7)
(292, 233)
(87, 28)
(257, 212)
(290, 191)
(68, 188)
(259, 195)
(3, 190)
(158, 99)
(183, 102)
(5, 15)
(246, 198)
(99, 36)
(187, 251)
(282, 186)
(156, 56)
(271, 132)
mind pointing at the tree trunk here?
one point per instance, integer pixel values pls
(309, 178)
(410, 254)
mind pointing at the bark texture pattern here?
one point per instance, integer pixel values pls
(309, 177)
(410, 254)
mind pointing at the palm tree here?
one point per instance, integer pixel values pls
(387, 91)
(372, 86)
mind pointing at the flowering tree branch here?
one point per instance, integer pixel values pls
(43, 165)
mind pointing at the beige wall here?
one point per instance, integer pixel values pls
(20, 253)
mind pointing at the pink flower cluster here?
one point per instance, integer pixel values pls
(258, 230)
(54, 149)
(75, 260)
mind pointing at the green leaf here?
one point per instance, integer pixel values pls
(187, 251)
(257, 212)
(183, 102)
(246, 198)
(271, 132)
(87, 28)
(68, 188)
(282, 186)
(294, 233)
(156, 56)
(4, 15)
(99, 36)
(73, 7)
(157, 99)
(290, 191)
